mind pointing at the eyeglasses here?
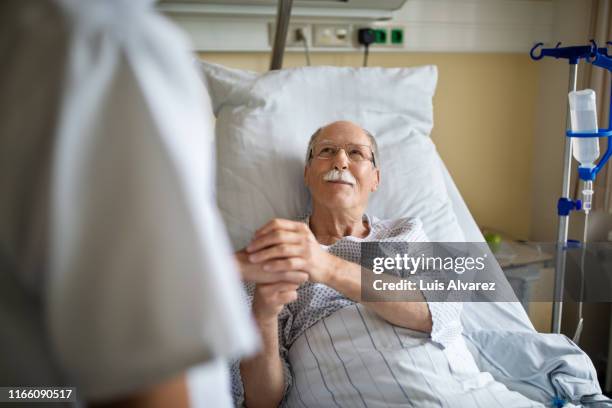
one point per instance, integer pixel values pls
(355, 152)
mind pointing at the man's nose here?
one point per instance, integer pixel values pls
(341, 160)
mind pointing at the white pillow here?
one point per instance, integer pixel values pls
(264, 122)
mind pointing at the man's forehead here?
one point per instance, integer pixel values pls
(343, 133)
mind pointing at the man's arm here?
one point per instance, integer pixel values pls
(263, 375)
(345, 277)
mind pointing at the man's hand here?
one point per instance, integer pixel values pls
(270, 298)
(253, 272)
(284, 245)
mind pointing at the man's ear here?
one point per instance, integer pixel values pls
(375, 186)
(305, 175)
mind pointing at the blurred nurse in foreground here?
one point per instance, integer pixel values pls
(116, 273)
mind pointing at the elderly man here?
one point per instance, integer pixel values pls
(323, 346)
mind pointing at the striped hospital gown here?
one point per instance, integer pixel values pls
(338, 353)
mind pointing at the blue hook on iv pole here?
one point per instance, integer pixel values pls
(604, 50)
(573, 54)
(600, 58)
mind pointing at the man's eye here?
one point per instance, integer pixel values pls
(356, 154)
(326, 150)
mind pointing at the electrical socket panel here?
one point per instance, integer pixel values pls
(339, 35)
(293, 39)
(332, 35)
(386, 37)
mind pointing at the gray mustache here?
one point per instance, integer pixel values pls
(336, 175)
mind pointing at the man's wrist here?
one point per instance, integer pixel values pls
(266, 322)
(346, 279)
(268, 329)
(334, 268)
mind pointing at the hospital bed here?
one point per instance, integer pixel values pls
(508, 315)
(262, 129)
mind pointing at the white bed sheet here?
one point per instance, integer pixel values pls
(508, 316)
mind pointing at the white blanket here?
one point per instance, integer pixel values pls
(353, 358)
(541, 366)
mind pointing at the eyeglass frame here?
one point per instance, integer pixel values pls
(372, 159)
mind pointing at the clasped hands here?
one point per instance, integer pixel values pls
(282, 255)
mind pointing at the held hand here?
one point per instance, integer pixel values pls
(284, 245)
(253, 272)
(270, 298)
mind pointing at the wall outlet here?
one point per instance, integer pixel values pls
(397, 35)
(293, 39)
(381, 36)
(332, 35)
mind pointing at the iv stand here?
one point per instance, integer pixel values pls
(597, 57)
(563, 225)
(283, 15)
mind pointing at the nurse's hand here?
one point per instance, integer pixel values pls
(270, 298)
(285, 245)
(253, 272)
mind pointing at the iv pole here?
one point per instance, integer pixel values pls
(283, 14)
(598, 57)
(562, 230)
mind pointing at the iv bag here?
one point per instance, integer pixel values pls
(583, 114)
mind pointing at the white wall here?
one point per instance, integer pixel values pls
(429, 26)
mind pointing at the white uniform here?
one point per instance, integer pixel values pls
(116, 271)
